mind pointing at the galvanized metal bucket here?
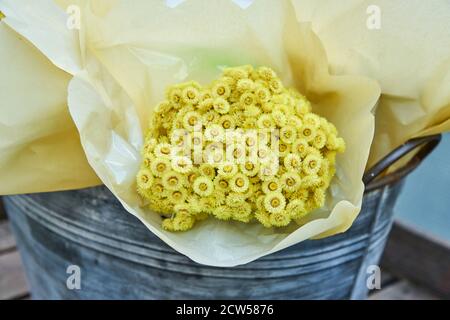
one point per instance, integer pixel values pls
(120, 259)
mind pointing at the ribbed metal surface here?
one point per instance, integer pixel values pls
(120, 259)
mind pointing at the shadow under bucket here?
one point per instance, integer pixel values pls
(120, 259)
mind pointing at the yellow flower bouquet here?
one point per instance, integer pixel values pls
(244, 147)
(154, 102)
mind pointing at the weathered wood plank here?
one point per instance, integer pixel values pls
(13, 284)
(403, 290)
(419, 257)
(2, 211)
(7, 241)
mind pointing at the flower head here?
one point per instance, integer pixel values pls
(274, 202)
(203, 186)
(239, 183)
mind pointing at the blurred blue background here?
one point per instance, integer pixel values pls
(425, 200)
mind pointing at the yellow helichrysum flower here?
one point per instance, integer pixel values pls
(249, 168)
(294, 121)
(159, 166)
(291, 181)
(163, 150)
(243, 85)
(279, 117)
(280, 219)
(283, 149)
(247, 99)
(288, 134)
(239, 183)
(302, 107)
(311, 164)
(157, 188)
(227, 169)
(147, 160)
(144, 179)
(192, 120)
(214, 133)
(210, 116)
(221, 183)
(190, 95)
(319, 197)
(274, 202)
(175, 97)
(221, 105)
(275, 85)
(296, 209)
(242, 213)
(266, 73)
(221, 89)
(206, 104)
(163, 107)
(173, 180)
(293, 162)
(265, 121)
(264, 218)
(310, 181)
(300, 147)
(191, 177)
(262, 94)
(223, 213)
(271, 185)
(177, 196)
(252, 111)
(203, 186)
(320, 139)
(307, 132)
(207, 170)
(227, 122)
(267, 171)
(181, 164)
(236, 73)
(235, 200)
(183, 219)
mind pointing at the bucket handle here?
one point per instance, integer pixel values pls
(427, 144)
